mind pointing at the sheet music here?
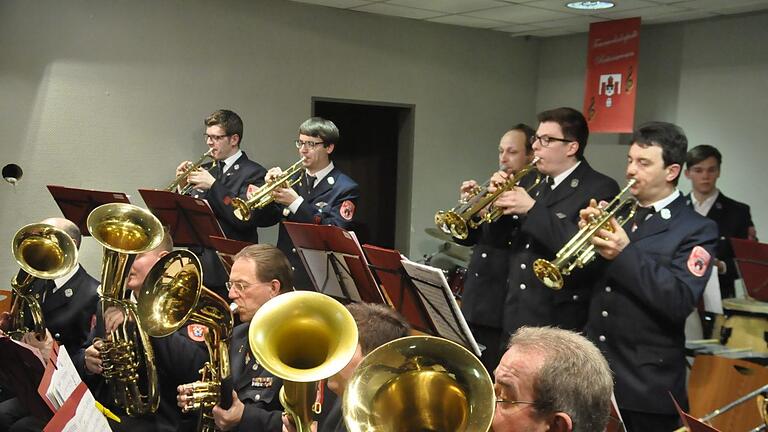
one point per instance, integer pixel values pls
(64, 380)
(79, 414)
(320, 268)
(712, 300)
(441, 305)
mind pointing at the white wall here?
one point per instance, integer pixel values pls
(709, 76)
(110, 95)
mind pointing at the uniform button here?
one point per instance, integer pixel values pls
(293, 250)
(484, 255)
(509, 243)
(722, 238)
(607, 289)
(604, 313)
(515, 217)
(57, 335)
(601, 338)
(575, 297)
(527, 245)
(293, 268)
(257, 397)
(522, 286)
(477, 275)
(522, 266)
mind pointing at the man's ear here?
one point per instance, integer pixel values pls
(274, 287)
(573, 148)
(673, 171)
(561, 422)
(687, 173)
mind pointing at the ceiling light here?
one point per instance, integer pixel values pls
(590, 5)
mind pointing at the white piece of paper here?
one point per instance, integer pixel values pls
(327, 280)
(712, 300)
(64, 379)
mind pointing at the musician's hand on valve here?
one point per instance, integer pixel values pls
(285, 196)
(272, 174)
(515, 201)
(497, 179)
(184, 396)
(201, 179)
(466, 189)
(113, 318)
(610, 244)
(229, 419)
(182, 168)
(92, 358)
(588, 213)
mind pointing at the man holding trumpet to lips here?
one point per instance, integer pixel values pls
(652, 274)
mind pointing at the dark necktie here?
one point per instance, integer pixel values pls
(545, 188)
(310, 183)
(220, 172)
(48, 288)
(642, 214)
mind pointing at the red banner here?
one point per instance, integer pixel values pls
(611, 83)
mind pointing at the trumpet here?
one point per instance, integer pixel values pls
(458, 220)
(44, 252)
(187, 171)
(173, 295)
(579, 251)
(263, 195)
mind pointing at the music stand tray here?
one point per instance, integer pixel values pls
(751, 260)
(77, 204)
(190, 220)
(335, 262)
(226, 249)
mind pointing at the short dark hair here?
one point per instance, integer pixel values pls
(700, 153)
(529, 133)
(670, 137)
(377, 324)
(319, 127)
(228, 120)
(270, 264)
(573, 124)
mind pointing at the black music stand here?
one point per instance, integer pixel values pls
(751, 260)
(422, 295)
(335, 262)
(226, 249)
(190, 220)
(77, 204)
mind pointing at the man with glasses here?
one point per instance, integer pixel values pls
(229, 176)
(551, 379)
(549, 219)
(323, 196)
(259, 273)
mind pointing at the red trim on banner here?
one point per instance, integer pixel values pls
(611, 82)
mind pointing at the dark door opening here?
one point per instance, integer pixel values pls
(368, 152)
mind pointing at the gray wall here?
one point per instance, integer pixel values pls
(110, 95)
(709, 76)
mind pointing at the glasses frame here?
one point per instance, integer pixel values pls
(546, 140)
(311, 145)
(215, 138)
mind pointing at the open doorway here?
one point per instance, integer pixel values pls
(375, 149)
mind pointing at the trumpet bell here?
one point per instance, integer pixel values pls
(44, 251)
(451, 223)
(419, 383)
(548, 274)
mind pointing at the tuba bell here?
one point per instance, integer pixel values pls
(579, 251)
(126, 230)
(173, 295)
(302, 337)
(467, 215)
(263, 195)
(44, 252)
(419, 383)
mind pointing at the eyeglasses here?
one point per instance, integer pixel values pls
(240, 286)
(514, 402)
(215, 138)
(310, 144)
(547, 140)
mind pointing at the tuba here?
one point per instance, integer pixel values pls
(125, 230)
(263, 195)
(579, 251)
(302, 337)
(419, 383)
(183, 176)
(458, 220)
(44, 252)
(173, 295)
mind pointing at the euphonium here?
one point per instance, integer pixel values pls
(44, 252)
(125, 230)
(183, 176)
(458, 220)
(419, 383)
(173, 295)
(263, 195)
(579, 251)
(302, 337)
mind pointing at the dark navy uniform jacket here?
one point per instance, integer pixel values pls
(639, 307)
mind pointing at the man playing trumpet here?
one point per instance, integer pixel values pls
(653, 272)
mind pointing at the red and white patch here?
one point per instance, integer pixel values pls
(227, 200)
(197, 332)
(698, 261)
(347, 209)
(250, 191)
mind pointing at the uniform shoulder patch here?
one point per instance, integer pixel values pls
(698, 261)
(197, 332)
(227, 200)
(347, 210)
